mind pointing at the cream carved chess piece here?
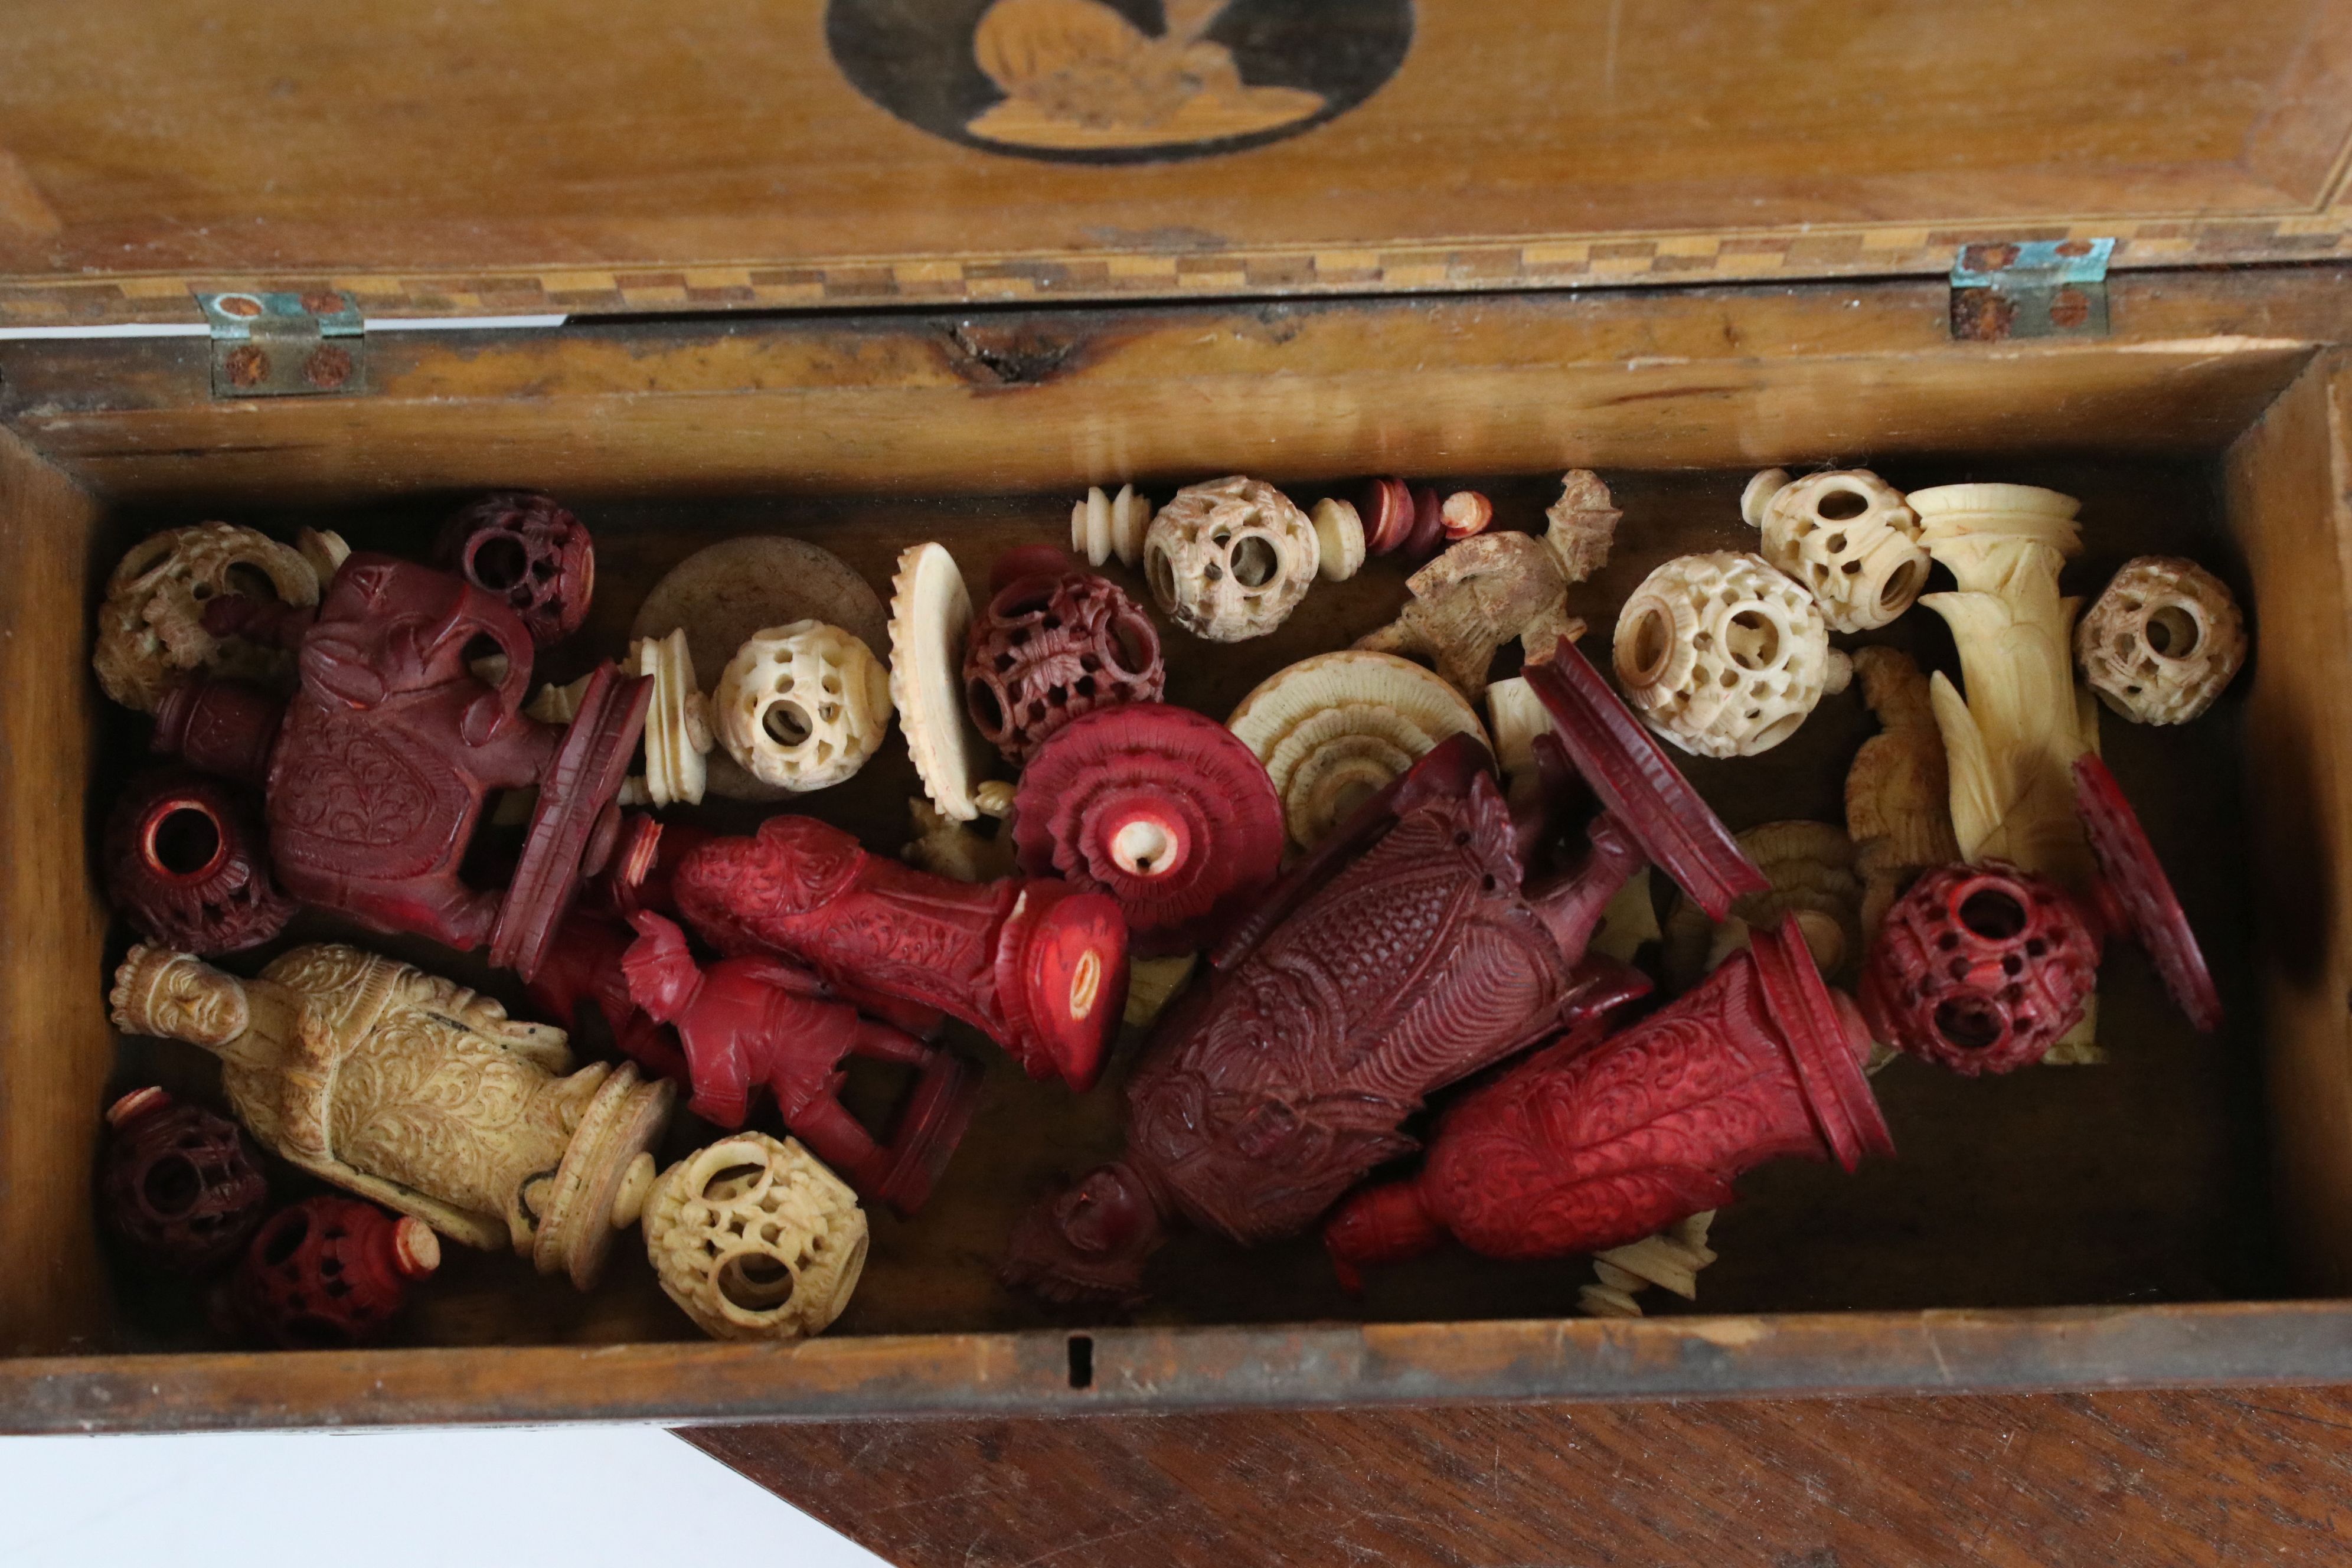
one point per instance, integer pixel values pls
(413, 1092)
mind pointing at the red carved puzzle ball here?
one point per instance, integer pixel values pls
(331, 1272)
(1052, 646)
(529, 551)
(182, 1187)
(187, 863)
(1584, 1147)
(1163, 809)
(1983, 968)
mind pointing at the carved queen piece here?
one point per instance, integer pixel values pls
(417, 1093)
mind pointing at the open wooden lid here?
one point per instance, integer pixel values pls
(608, 155)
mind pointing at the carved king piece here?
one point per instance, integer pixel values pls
(417, 1093)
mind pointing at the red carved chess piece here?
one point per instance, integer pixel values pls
(761, 1020)
(187, 863)
(584, 970)
(375, 774)
(1402, 955)
(529, 551)
(1583, 1147)
(1983, 968)
(180, 1185)
(1034, 964)
(1165, 810)
(331, 1272)
(1056, 642)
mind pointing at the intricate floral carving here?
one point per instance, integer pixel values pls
(1048, 649)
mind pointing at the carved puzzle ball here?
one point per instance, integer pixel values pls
(1979, 968)
(186, 861)
(1721, 654)
(529, 550)
(331, 1272)
(1051, 647)
(1230, 560)
(180, 1185)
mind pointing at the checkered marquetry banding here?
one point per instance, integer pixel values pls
(1450, 266)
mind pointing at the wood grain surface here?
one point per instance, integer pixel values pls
(606, 156)
(2197, 1480)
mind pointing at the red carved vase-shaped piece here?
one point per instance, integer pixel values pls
(1163, 809)
(1051, 647)
(186, 863)
(1581, 1148)
(1036, 965)
(331, 1272)
(1271, 1091)
(759, 1020)
(180, 1185)
(529, 550)
(1979, 968)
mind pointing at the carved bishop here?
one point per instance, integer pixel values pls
(417, 1093)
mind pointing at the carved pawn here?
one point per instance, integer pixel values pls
(416, 1093)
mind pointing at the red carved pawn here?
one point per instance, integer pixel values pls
(530, 551)
(1054, 645)
(187, 864)
(1583, 1147)
(1034, 964)
(1983, 968)
(375, 775)
(180, 1185)
(1165, 810)
(759, 1020)
(331, 1272)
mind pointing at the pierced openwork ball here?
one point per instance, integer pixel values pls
(1721, 654)
(151, 629)
(529, 551)
(188, 862)
(1164, 809)
(1051, 647)
(755, 1239)
(182, 1187)
(804, 706)
(331, 1272)
(1979, 968)
(2163, 641)
(1231, 559)
(1850, 537)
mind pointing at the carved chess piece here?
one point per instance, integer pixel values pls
(187, 863)
(375, 775)
(179, 1184)
(1404, 955)
(755, 1240)
(1585, 1147)
(330, 1273)
(416, 1093)
(761, 1020)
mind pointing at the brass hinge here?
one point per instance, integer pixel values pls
(2030, 289)
(286, 345)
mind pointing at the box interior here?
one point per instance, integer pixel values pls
(2150, 1179)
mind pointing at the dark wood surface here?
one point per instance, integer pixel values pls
(2203, 1479)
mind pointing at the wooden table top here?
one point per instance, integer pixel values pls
(2193, 1478)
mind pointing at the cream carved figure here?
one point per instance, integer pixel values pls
(151, 627)
(1077, 74)
(1724, 655)
(1898, 794)
(1230, 560)
(2162, 641)
(416, 1093)
(2010, 743)
(804, 706)
(1811, 869)
(755, 1239)
(1671, 1260)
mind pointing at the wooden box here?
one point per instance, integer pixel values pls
(873, 272)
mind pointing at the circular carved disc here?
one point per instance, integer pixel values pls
(2143, 893)
(723, 594)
